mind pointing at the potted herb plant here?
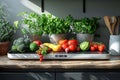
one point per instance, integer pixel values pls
(57, 28)
(32, 23)
(6, 32)
(85, 28)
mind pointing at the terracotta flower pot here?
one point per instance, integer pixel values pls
(4, 47)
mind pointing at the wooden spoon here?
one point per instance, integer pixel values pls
(113, 23)
(107, 22)
(117, 25)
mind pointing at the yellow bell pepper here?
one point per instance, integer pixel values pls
(54, 47)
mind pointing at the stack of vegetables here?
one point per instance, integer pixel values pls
(23, 45)
(69, 46)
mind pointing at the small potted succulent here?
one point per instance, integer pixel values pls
(57, 28)
(85, 28)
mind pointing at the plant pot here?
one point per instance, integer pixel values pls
(54, 38)
(84, 37)
(4, 47)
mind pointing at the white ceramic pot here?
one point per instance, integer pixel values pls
(114, 45)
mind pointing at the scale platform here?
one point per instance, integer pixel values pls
(61, 55)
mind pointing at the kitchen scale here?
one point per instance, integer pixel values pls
(61, 55)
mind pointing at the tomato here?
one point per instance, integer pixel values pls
(63, 41)
(38, 42)
(95, 46)
(64, 46)
(41, 57)
(67, 50)
(73, 41)
(92, 48)
(72, 47)
(101, 48)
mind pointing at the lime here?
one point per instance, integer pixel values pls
(84, 46)
(33, 47)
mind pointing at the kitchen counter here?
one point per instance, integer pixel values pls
(112, 63)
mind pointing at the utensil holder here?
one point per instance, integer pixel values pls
(114, 45)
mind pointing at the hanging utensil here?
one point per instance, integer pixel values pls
(117, 25)
(113, 22)
(108, 25)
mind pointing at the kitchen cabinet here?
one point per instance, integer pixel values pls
(61, 76)
(27, 76)
(88, 76)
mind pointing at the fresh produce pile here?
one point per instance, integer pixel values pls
(69, 46)
(23, 45)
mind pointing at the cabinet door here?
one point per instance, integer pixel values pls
(88, 76)
(27, 76)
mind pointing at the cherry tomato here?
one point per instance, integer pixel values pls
(61, 42)
(101, 48)
(92, 48)
(72, 47)
(38, 42)
(64, 46)
(95, 46)
(67, 50)
(73, 41)
(41, 57)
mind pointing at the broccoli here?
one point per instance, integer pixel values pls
(21, 44)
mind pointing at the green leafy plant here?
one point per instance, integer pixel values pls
(85, 25)
(32, 23)
(6, 30)
(57, 25)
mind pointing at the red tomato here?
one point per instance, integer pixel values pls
(64, 46)
(38, 42)
(63, 41)
(67, 50)
(95, 46)
(101, 48)
(73, 41)
(41, 57)
(92, 48)
(72, 47)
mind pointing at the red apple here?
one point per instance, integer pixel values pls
(38, 42)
